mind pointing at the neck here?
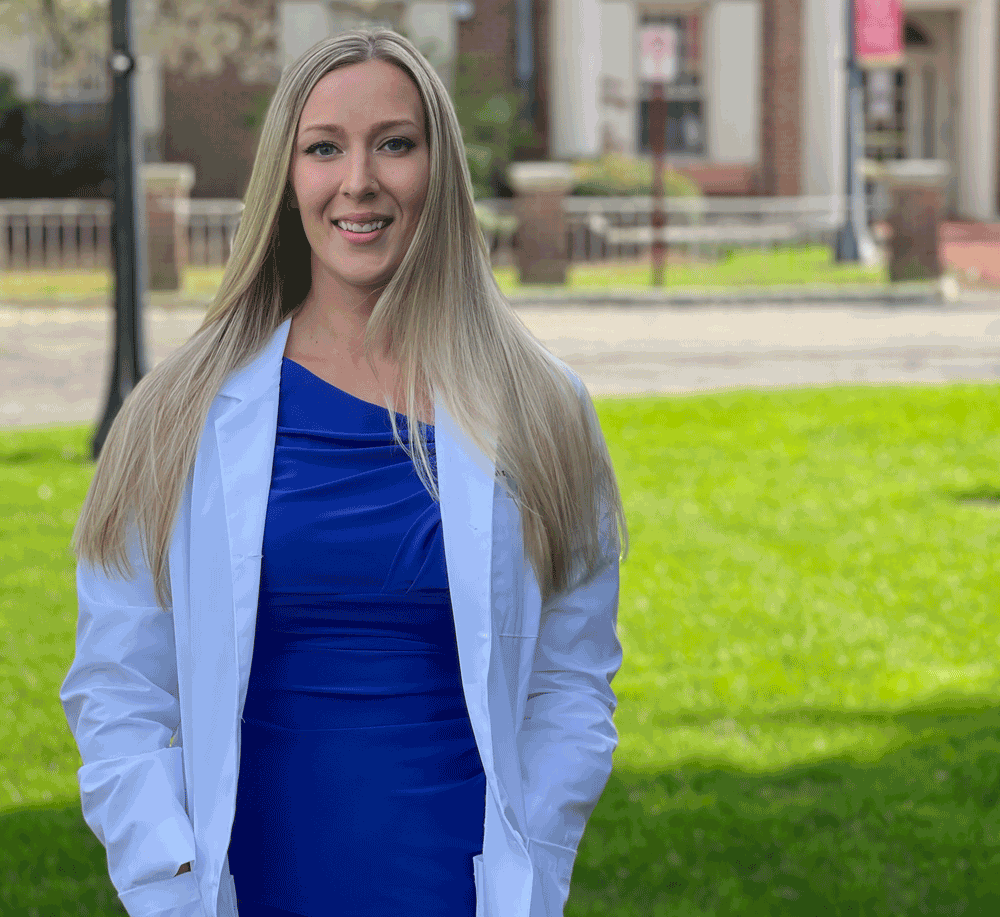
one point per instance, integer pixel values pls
(334, 314)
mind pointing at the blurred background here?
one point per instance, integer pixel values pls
(755, 119)
(802, 409)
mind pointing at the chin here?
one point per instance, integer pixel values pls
(370, 278)
(367, 280)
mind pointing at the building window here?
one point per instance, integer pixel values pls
(885, 113)
(685, 123)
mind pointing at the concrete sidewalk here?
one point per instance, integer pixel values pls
(54, 362)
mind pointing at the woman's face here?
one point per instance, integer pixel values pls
(359, 175)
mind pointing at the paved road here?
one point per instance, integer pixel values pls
(53, 362)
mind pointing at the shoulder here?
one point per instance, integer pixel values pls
(571, 375)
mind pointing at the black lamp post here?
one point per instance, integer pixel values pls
(853, 230)
(127, 229)
(525, 61)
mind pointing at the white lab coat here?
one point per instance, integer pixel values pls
(154, 700)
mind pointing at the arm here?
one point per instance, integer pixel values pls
(121, 703)
(568, 735)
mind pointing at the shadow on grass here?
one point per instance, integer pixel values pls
(52, 864)
(62, 444)
(981, 496)
(916, 832)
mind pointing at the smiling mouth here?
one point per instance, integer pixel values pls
(374, 226)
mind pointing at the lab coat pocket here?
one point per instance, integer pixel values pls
(554, 865)
(477, 868)
(178, 896)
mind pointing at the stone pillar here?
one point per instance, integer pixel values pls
(168, 185)
(917, 194)
(540, 187)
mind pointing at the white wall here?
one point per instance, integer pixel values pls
(301, 25)
(430, 25)
(17, 58)
(733, 77)
(149, 95)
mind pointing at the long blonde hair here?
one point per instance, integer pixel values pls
(442, 319)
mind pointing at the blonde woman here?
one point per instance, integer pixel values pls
(333, 659)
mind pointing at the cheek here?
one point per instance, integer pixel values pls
(416, 200)
(308, 184)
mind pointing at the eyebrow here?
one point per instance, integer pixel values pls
(376, 128)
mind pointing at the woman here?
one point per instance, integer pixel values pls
(309, 681)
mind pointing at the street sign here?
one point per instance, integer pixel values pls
(658, 53)
(878, 32)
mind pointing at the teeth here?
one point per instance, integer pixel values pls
(361, 227)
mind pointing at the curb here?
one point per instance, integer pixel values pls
(944, 292)
(929, 294)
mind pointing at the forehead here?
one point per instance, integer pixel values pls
(361, 93)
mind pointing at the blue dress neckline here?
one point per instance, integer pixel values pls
(354, 398)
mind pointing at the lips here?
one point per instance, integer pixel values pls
(363, 226)
(358, 233)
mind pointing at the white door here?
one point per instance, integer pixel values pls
(911, 111)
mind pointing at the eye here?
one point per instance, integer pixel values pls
(322, 144)
(406, 144)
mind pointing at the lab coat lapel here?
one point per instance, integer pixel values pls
(466, 482)
(245, 434)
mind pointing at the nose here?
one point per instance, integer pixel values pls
(359, 180)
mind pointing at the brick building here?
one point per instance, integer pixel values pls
(758, 105)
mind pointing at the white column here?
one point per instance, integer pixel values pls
(824, 97)
(733, 49)
(619, 111)
(574, 78)
(977, 88)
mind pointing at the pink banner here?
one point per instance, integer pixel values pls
(878, 32)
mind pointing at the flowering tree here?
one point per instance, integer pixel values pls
(198, 36)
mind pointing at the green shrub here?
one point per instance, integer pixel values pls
(615, 175)
(488, 115)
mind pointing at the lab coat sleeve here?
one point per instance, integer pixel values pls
(121, 702)
(568, 736)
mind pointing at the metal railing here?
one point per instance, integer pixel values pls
(621, 228)
(62, 234)
(48, 234)
(41, 233)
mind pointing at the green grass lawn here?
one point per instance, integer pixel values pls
(788, 266)
(809, 707)
(68, 286)
(810, 265)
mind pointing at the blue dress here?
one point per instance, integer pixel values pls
(361, 791)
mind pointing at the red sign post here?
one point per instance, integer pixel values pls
(878, 33)
(659, 65)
